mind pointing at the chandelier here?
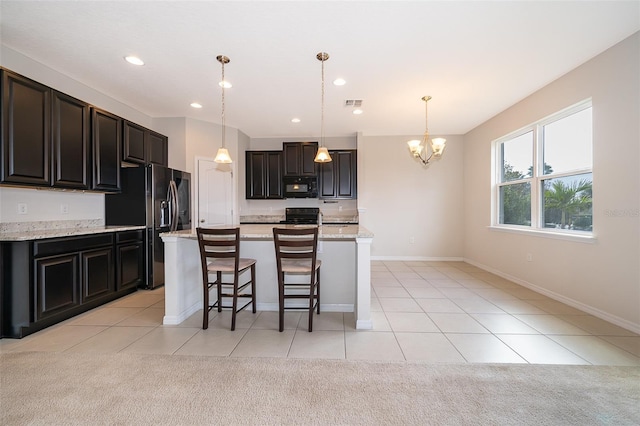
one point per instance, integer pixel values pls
(419, 148)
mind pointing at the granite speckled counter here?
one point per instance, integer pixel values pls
(327, 218)
(345, 251)
(29, 231)
(265, 231)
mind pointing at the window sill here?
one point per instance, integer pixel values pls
(558, 235)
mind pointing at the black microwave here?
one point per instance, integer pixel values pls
(300, 186)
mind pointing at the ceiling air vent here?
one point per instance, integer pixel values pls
(356, 103)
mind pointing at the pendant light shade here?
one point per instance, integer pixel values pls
(223, 154)
(322, 155)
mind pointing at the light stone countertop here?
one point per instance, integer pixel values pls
(271, 219)
(40, 234)
(262, 232)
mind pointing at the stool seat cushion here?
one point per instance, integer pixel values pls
(228, 265)
(298, 266)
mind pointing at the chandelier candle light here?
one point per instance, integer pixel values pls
(223, 154)
(419, 148)
(323, 155)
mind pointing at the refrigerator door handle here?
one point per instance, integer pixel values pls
(173, 205)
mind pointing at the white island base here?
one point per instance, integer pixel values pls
(345, 274)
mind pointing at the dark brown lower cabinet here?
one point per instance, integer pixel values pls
(97, 273)
(48, 281)
(57, 284)
(129, 259)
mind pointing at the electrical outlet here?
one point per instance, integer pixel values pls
(64, 208)
(22, 208)
(412, 240)
(529, 257)
(339, 208)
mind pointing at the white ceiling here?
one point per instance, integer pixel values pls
(475, 58)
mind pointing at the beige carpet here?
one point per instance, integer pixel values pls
(123, 389)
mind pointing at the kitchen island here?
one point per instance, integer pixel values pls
(345, 251)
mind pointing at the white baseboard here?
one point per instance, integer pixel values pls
(628, 325)
(177, 319)
(330, 307)
(364, 325)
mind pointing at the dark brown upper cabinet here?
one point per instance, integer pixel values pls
(26, 131)
(134, 145)
(70, 134)
(338, 178)
(48, 138)
(298, 158)
(263, 175)
(144, 146)
(106, 142)
(158, 147)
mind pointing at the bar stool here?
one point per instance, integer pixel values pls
(220, 253)
(296, 252)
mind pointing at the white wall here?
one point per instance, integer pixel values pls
(45, 205)
(403, 199)
(175, 128)
(603, 277)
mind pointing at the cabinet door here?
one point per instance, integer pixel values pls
(346, 174)
(255, 175)
(308, 167)
(129, 265)
(327, 179)
(70, 132)
(97, 273)
(338, 178)
(274, 175)
(107, 131)
(57, 284)
(158, 146)
(298, 158)
(292, 154)
(134, 147)
(263, 175)
(26, 131)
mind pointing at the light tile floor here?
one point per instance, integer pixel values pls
(435, 312)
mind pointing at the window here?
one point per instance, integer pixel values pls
(544, 174)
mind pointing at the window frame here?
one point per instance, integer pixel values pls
(537, 207)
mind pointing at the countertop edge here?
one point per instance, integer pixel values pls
(264, 232)
(65, 232)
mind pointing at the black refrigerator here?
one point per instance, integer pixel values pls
(158, 198)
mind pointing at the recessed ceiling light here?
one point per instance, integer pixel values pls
(357, 111)
(134, 60)
(295, 120)
(196, 105)
(339, 82)
(225, 84)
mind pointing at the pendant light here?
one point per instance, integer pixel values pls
(223, 154)
(323, 155)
